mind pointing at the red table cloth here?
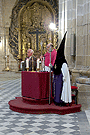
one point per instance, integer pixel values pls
(35, 84)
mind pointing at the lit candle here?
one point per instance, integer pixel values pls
(27, 63)
(37, 63)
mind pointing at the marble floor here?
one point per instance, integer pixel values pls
(14, 123)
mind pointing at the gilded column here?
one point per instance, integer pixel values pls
(19, 43)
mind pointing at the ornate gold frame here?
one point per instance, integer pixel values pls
(33, 23)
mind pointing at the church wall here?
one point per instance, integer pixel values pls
(78, 23)
(5, 12)
(82, 34)
(74, 17)
(1, 46)
(71, 17)
(67, 22)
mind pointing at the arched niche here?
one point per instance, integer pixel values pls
(34, 19)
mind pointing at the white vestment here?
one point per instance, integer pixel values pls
(66, 90)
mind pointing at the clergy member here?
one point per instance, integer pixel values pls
(61, 82)
(47, 57)
(30, 60)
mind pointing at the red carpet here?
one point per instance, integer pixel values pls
(32, 106)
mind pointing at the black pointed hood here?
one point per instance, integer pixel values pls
(60, 58)
(60, 51)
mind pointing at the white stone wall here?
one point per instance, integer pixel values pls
(67, 22)
(74, 16)
(78, 23)
(83, 34)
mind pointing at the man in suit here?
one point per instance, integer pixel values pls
(32, 60)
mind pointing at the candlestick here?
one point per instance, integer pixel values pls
(7, 61)
(32, 64)
(27, 69)
(38, 64)
(27, 63)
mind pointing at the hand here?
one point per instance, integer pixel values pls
(50, 65)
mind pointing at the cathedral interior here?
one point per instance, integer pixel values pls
(24, 24)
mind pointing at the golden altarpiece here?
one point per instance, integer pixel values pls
(30, 27)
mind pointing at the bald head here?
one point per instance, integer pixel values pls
(30, 52)
(48, 46)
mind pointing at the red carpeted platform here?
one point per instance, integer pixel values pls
(33, 106)
(38, 93)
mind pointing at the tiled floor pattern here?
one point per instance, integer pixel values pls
(14, 123)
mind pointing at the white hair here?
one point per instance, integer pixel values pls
(32, 51)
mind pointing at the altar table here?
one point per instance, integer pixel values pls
(35, 84)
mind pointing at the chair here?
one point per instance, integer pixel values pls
(74, 96)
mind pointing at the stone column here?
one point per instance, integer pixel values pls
(6, 48)
(88, 33)
(61, 19)
(82, 34)
(67, 22)
(4, 44)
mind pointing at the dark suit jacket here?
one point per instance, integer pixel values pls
(30, 64)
